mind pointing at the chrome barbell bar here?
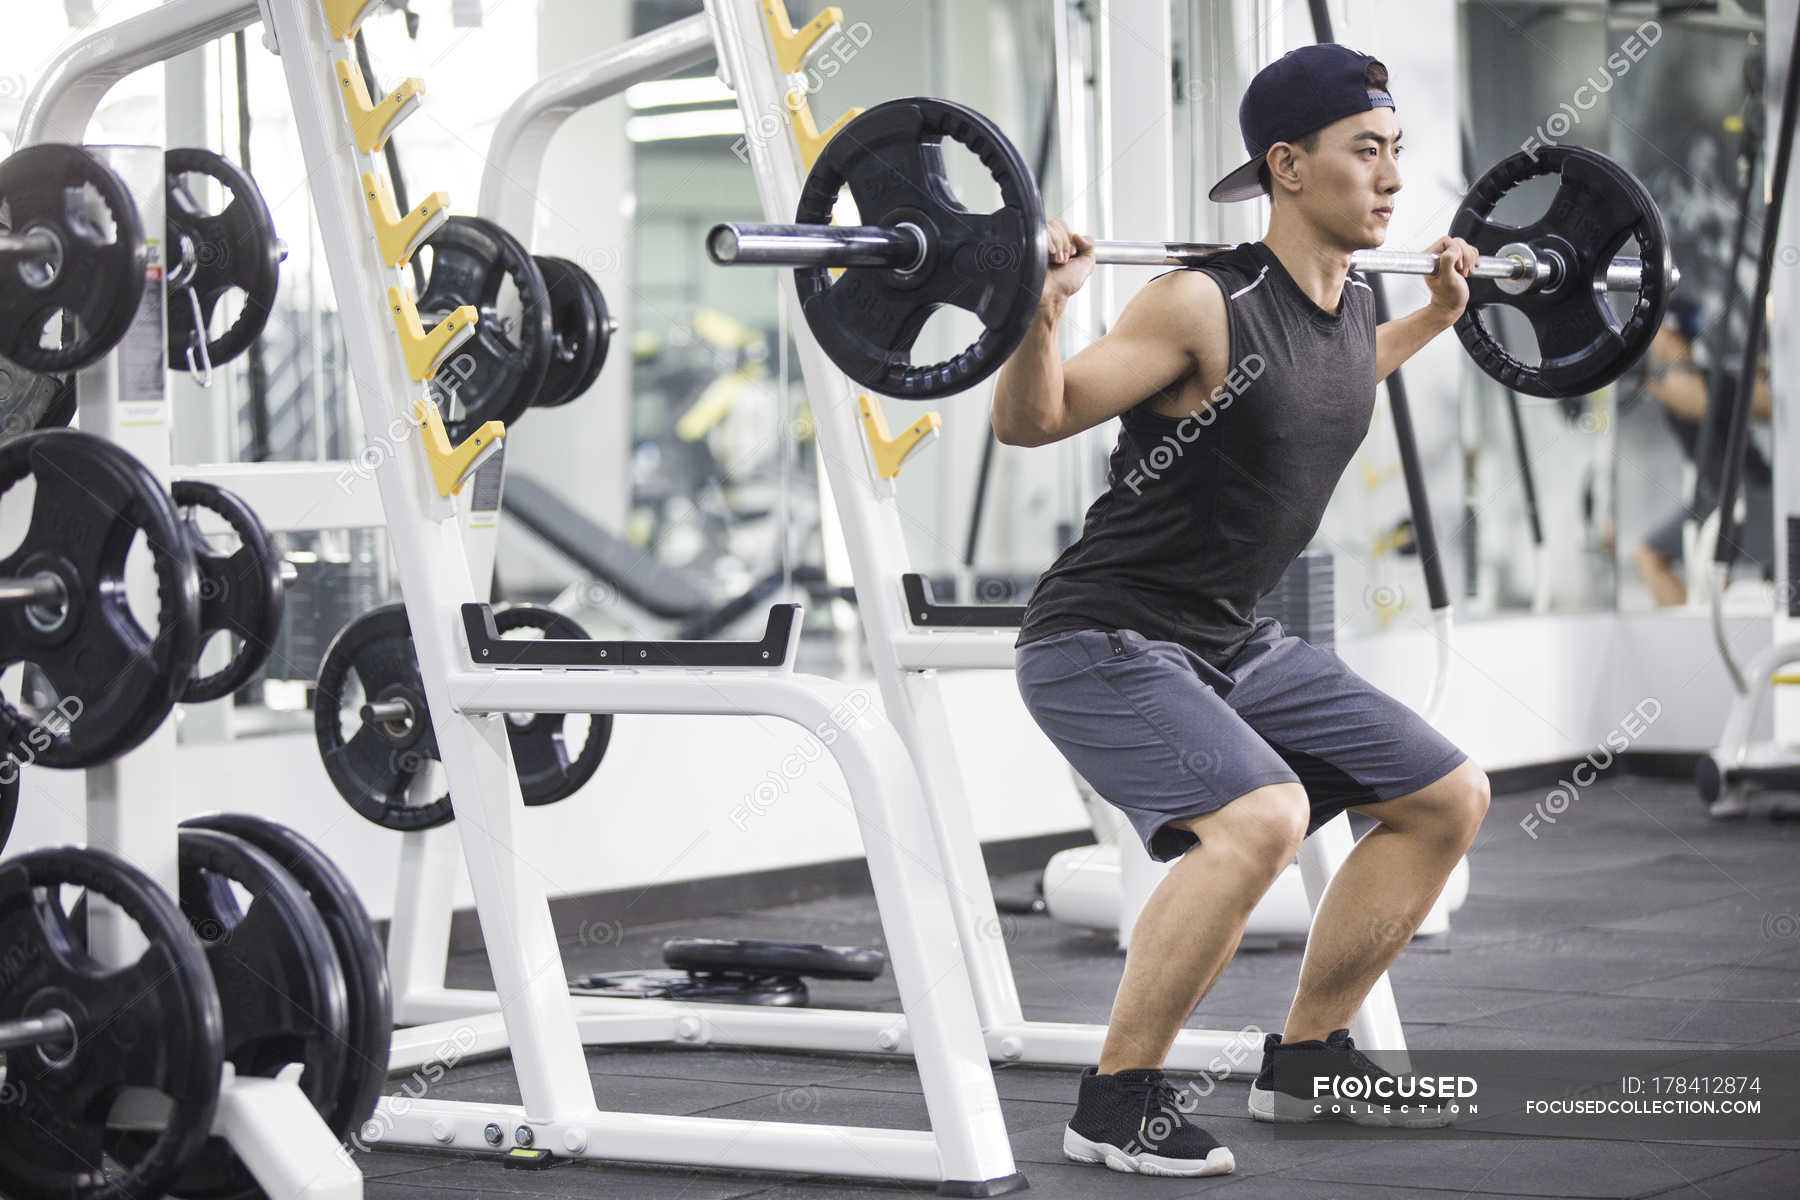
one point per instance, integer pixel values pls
(903, 249)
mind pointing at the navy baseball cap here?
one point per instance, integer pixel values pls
(1684, 314)
(1303, 90)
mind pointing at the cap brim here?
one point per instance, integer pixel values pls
(1242, 184)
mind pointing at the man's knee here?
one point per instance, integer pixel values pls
(1475, 796)
(1649, 561)
(1264, 827)
(1450, 809)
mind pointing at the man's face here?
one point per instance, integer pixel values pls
(1347, 184)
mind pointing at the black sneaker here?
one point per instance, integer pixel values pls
(1336, 1057)
(1132, 1121)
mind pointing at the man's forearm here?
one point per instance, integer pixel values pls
(1028, 392)
(1401, 338)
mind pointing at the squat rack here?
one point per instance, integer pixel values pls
(910, 639)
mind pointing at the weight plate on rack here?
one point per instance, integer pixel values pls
(241, 593)
(372, 756)
(32, 400)
(372, 762)
(577, 326)
(496, 374)
(540, 742)
(153, 1024)
(114, 682)
(213, 253)
(370, 1011)
(66, 312)
(280, 985)
(608, 327)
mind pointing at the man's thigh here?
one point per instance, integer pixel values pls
(1149, 734)
(1349, 742)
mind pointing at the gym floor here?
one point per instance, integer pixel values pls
(1634, 922)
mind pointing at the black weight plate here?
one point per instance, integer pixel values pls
(370, 1011)
(92, 501)
(497, 373)
(31, 400)
(154, 1023)
(212, 253)
(281, 988)
(992, 264)
(767, 990)
(577, 325)
(1597, 208)
(99, 279)
(753, 956)
(540, 751)
(241, 593)
(372, 766)
(607, 328)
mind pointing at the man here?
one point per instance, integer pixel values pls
(1244, 387)
(1680, 382)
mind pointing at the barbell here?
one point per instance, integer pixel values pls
(919, 249)
(904, 249)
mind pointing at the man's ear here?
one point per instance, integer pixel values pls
(1281, 163)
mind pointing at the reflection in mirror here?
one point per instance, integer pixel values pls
(1537, 524)
(1688, 120)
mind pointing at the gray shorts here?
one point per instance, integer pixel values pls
(1162, 734)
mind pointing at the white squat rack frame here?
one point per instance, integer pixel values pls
(906, 655)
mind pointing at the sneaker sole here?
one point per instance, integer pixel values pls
(1079, 1149)
(1283, 1109)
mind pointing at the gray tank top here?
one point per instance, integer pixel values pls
(1202, 514)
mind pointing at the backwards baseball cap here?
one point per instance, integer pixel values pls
(1684, 314)
(1303, 90)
